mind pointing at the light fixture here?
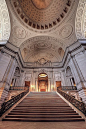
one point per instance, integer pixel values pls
(43, 75)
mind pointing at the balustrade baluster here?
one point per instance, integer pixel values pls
(78, 104)
(6, 105)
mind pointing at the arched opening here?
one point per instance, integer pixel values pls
(42, 82)
(70, 77)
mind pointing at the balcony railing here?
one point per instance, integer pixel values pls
(69, 87)
(18, 88)
(7, 105)
(78, 104)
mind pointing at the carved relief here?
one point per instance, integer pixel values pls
(61, 52)
(43, 61)
(66, 31)
(19, 32)
(4, 21)
(42, 39)
(80, 22)
(41, 48)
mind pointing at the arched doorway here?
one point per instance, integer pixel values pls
(42, 82)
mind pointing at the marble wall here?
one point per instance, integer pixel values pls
(7, 69)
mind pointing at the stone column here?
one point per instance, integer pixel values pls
(63, 78)
(71, 82)
(68, 82)
(7, 78)
(22, 78)
(49, 86)
(79, 80)
(80, 76)
(33, 80)
(36, 85)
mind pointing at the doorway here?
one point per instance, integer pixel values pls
(27, 84)
(42, 82)
(58, 84)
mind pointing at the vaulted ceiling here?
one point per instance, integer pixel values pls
(42, 47)
(42, 29)
(42, 14)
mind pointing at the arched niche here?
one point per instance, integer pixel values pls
(80, 21)
(69, 75)
(61, 52)
(4, 23)
(42, 82)
(68, 72)
(17, 71)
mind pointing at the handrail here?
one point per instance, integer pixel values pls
(68, 87)
(6, 105)
(78, 104)
(18, 87)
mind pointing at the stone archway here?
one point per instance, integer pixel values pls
(80, 21)
(42, 82)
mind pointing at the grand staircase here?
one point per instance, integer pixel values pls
(43, 107)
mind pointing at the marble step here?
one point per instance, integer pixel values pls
(43, 116)
(44, 119)
(37, 109)
(21, 113)
(43, 107)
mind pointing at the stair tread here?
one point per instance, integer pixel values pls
(43, 111)
(43, 107)
(13, 113)
(43, 116)
(44, 119)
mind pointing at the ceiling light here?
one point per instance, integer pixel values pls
(43, 75)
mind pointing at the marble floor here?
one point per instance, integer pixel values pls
(42, 125)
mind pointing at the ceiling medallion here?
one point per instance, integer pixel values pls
(41, 4)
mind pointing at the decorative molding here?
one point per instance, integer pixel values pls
(80, 22)
(73, 49)
(40, 47)
(66, 31)
(19, 32)
(4, 22)
(44, 27)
